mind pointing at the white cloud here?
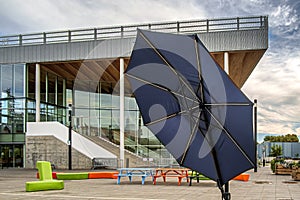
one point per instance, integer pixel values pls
(55, 14)
(277, 88)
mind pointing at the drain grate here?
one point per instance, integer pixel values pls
(285, 199)
(262, 182)
(290, 182)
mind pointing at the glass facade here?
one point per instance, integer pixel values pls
(95, 110)
(12, 114)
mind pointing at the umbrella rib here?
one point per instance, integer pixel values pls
(227, 104)
(190, 138)
(168, 64)
(230, 137)
(208, 143)
(160, 87)
(168, 116)
(199, 69)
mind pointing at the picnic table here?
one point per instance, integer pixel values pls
(179, 173)
(137, 172)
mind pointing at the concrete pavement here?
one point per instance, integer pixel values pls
(262, 185)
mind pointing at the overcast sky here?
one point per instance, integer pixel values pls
(275, 82)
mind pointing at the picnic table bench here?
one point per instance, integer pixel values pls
(137, 172)
(179, 173)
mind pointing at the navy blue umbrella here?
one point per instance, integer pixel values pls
(191, 105)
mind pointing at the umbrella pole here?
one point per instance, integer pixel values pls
(225, 191)
(226, 195)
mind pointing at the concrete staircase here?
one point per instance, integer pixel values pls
(131, 159)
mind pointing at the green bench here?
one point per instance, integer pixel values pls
(72, 176)
(46, 182)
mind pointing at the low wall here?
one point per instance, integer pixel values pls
(51, 149)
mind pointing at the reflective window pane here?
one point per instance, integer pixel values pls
(19, 80)
(7, 80)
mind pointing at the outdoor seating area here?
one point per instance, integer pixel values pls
(143, 173)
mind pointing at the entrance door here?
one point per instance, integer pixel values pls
(11, 155)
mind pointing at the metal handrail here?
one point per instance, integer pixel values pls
(192, 26)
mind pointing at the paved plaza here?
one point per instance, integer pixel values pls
(262, 185)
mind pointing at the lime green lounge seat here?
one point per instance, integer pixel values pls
(46, 182)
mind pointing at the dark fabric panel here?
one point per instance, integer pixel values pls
(182, 59)
(200, 158)
(155, 104)
(219, 86)
(174, 134)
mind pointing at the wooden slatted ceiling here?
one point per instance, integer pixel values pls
(102, 70)
(241, 65)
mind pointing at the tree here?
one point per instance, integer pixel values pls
(282, 138)
(276, 150)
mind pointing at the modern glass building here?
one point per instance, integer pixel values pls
(42, 74)
(95, 108)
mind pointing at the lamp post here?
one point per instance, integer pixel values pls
(264, 155)
(70, 136)
(255, 133)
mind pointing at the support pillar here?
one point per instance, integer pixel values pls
(70, 137)
(255, 133)
(122, 112)
(37, 93)
(226, 62)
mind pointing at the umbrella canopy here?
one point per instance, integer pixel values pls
(191, 105)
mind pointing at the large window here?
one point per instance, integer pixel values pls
(12, 101)
(6, 80)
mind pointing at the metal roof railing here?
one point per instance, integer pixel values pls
(184, 27)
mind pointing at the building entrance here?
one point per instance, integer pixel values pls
(11, 155)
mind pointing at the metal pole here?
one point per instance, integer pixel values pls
(70, 137)
(122, 112)
(226, 194)
(255, 133)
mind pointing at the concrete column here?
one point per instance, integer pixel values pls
(122, 112)
(226, 62)
(37, 92)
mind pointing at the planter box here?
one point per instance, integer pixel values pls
(281, 170)
(296, 173)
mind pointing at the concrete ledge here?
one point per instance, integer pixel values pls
(44, 185)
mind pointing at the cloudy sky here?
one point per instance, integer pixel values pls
(275, 81)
